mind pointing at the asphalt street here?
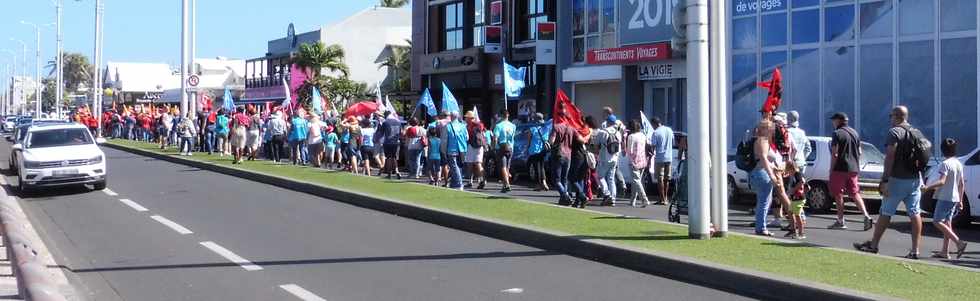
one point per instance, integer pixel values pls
(169, 232)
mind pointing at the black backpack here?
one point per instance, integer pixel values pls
(745, 155)
(915, 150)
(613, 143)
(478, 139)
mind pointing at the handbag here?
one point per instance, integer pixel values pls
(545, 145)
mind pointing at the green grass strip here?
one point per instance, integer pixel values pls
(882, 276)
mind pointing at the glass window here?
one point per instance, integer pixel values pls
(578, 17)
(744, 35)
(774, 33)
(453, 26)
(876, 92)
(876, 19)
(915, 16)
(745, 98)
(959, 98)
(806, 26)
(805, 88)
(744, 7)
(609, 16)
(59, 137)
(578, 49)
(839, 23)
(478, 22)
(916, 63)
(535, 13)
(957, 15)
(805, 3)
(770, 61)
(838, 81)
(837, 1)
(609, 40)
(593, 8)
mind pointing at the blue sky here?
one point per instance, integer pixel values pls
(149, 30)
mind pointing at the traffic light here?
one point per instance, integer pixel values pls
(678, 42)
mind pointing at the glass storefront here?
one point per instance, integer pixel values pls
(861, 57)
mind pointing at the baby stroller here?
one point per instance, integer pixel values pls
(678, 197)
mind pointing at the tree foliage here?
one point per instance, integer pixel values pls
(393, 3)
(77, 71)
(399, 65)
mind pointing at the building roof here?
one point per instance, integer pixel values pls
(140, 77)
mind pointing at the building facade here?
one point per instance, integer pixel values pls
(860, 57)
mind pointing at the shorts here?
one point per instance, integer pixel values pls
(391, 151)
(238, 138)
(367, 152)
(330, 150)
(843, 183)
(796, 207)
(254, 140)
(662, 170)
(945, 210)
(434, 165)
(474, 155)
(503, 158)
(902, 190)
(351, 152)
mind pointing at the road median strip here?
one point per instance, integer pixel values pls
(756, 267)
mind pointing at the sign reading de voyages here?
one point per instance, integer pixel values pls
(629, 54)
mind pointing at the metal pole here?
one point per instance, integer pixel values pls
(60, 61)
(697, 89)
(192, 102)
(97, 74)
(37, 73)
(719, 125)
(183, 58)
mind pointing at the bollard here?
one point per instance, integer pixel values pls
(43, 292)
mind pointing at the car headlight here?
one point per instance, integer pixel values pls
(32, 164)
(95, 160)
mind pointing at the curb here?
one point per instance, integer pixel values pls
(732, 279)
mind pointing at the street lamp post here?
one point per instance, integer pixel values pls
(183, 58)
(23, 56)
(97, 75)
(37, 74)
(59, 61)
(13, 72)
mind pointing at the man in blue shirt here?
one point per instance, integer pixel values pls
(454, 137)
(297, 139)
(663, 143)
(503, 142)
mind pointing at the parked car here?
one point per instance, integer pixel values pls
(9, 123)
(59, 155)
(20, 132)
(971, 172)
(818, 174)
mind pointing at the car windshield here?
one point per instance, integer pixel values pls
(871, 154)
(11, 119)
(59, 137)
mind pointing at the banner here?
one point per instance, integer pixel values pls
(494, 40)
(513, 80)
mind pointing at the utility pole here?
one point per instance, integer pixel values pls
(697, 108)
(97, 75)
(13, 73)
(719, 110)
(192, 103)
(183, 58)
(37, 71)
(59, 96)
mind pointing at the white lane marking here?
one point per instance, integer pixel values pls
(134, 205)
(169, 223)
(247, 265)
(515, 290)
(109, 192)
(303, 294)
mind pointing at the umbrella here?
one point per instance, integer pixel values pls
(364, 108)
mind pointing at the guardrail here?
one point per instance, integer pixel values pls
(34, 280)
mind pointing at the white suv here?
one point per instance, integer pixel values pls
(60, 155)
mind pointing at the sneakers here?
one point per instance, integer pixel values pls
(960, 249)
(867, 247)
(838, 225)
(868, 223)
(505, 190)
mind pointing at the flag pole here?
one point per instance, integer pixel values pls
(504, 75)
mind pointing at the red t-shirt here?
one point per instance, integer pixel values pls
(241, 119)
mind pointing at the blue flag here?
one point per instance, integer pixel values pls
(229, 102)
(426, 101)
(316, 101)
(449, 102)
(513, 80)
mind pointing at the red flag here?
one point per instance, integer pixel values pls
(775, 97)
(566, 112)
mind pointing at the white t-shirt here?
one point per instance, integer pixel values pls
(315, 134)
(953, 169)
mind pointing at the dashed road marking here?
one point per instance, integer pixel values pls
(134, 205)
(169, 223)
(109, 192)
(247, 265)
(303, 294)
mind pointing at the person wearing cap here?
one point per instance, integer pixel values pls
(801, 143)
(845, 152)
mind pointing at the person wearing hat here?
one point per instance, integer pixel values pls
(477, 146)
(845, 153)
(801, 144)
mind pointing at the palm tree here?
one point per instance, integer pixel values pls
(393, 3)
(400, 65)
(77, 70)
(318, 57)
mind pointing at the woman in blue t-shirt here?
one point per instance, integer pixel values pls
(221, 131)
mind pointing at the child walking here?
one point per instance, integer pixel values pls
(797, 196)
(949, 188)
(434, 161)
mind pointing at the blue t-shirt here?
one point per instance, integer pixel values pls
(331, 140)
(221, 126)
(434, 145)
(663, 143)
(300, 129)
(539, 134)
(367, 135)
(505, 131)
(456, 136)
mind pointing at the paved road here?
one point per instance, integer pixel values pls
(187, 234)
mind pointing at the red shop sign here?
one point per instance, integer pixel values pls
(630, 54)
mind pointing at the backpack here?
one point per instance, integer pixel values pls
(613, 143)
(915, 150)
(745, 155)
(478, 139)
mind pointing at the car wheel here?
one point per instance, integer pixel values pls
(24, 188)
(100, 185)
(733, 192)
(818, 198)
(963, 218)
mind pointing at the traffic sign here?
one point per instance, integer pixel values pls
(193, 80)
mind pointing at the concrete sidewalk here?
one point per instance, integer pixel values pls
(8, 283)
